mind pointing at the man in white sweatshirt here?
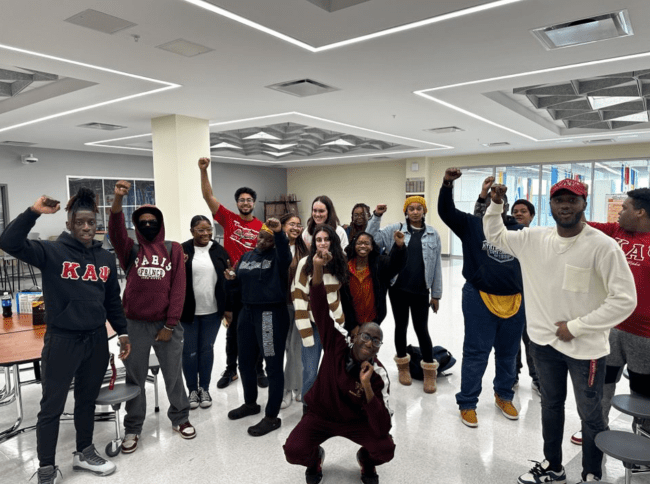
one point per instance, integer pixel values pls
(577, 286)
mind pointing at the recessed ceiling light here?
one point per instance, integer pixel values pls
(102, 126)
(338, 142)
(277, 154)
(226, 145)
(100, 21)
(585, 31)
(184, 47)
(598, 141)
(302, 87)
(599, 102)
(446, 129)
(261, 135)
(280, 147)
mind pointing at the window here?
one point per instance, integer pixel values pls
(142, 192)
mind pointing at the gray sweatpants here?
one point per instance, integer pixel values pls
(633, 350)
(293, 365)
(142, 335)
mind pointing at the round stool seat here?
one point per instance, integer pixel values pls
(634, 405)
(625, 446)
(153, 362)
(122, 392)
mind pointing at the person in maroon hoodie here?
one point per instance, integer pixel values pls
(153, 302)
(349, 397)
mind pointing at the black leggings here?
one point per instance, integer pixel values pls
(401, 302)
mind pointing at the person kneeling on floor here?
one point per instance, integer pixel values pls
(349, 398)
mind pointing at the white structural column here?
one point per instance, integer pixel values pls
(178, 143)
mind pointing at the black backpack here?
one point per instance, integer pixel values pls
(440, 354)
(134, 255)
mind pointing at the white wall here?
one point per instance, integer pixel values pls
(28, 182)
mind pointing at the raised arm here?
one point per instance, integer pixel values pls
(383, 237)
(509, 241)
(117, 233)
(453, 218)
(480, 206)
(206, 188)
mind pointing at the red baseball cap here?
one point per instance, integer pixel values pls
(573, 186)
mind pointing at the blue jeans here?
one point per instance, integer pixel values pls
(484, 331)
(588, 378)
(198, 352)
(310, 358)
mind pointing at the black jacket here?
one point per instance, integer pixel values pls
(80, 285)
(382, 270)
(219, 258)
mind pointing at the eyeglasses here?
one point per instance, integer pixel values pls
(203, 231)
(149, 223)
(245, 200)
(376, 342)
(359, 215)
(294, 225)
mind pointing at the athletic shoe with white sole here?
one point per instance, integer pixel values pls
(89, 460)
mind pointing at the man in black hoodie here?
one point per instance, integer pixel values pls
(81, 292)
(492, 306)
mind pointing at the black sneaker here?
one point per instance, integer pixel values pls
(314, 475)
(540, 473)
(368, 470)
(47, 474)
(244, 411)
(262, 381)
(227, 377)
(265, 426)
(204, 398)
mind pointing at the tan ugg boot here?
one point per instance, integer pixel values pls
(430, 376)
(403, 368)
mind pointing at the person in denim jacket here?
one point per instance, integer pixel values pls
(417, 287)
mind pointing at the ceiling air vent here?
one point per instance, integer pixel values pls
(303, 87)
(184, 47)
(584, 31)
(598, 141)
(496, 145)
(100, 21)
(102, 126)
(16, 143)
(446, 129)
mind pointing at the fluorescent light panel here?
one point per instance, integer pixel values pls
(280, 147)
(413, 25)
(338, 142)
(261, 135)
(599, 102)
(637, 117)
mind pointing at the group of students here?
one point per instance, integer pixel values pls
(282, 289)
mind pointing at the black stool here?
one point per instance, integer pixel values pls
(637, 406)
(629, 448)
(122, 392)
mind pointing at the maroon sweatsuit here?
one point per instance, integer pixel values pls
(337, 404)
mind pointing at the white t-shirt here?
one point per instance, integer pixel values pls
(340, 231)
(204, 280)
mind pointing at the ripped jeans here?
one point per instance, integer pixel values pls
(588, 379)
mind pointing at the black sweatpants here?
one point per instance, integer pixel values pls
(83, 356)
(232, 348)
(401, 302)
(265, 328)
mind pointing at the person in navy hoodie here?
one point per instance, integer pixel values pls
(153, 302)
(261, 277)
(81, 292)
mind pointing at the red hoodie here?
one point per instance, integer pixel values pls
(155, 286)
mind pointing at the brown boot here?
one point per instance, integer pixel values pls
(430, 376)
(403, 368)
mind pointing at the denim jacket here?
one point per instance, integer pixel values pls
(431, 250)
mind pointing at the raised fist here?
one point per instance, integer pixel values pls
(322, 257)
(452, 174)
(274, 224)
(380, 209)
(399, 238)
(122, 188)
(46, 205)
(497, 193)
(204, 163)
(487, 183)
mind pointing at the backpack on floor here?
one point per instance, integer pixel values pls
(440, 354)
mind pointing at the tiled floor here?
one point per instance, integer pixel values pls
(433, 446)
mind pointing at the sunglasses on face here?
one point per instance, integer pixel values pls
(148, 223)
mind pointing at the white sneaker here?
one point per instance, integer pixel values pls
(194, 400)
(298, 394)
(541, 473)
(590, 478)
(206, 399)
(287, 398)
(577, 438)
(90, 461)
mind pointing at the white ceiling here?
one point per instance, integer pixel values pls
(391, 87)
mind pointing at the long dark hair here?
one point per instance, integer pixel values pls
(301, 247)
(332, 219)
(366, 210)
(352, 253)
(338, 266)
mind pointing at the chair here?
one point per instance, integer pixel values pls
(122, 392)
(637, 406)
(154, 366)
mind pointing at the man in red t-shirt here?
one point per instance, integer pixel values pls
(239, 236)
(630, 340)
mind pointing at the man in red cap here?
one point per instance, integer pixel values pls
(578, 286)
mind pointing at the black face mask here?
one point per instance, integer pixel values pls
(149, 232)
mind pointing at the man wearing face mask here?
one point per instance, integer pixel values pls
(153, 303)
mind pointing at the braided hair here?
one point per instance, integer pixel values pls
(366, 210)
(85, 199)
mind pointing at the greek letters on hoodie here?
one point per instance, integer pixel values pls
(155, 286)
(80, 285)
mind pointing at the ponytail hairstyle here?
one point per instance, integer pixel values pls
(85, 199)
